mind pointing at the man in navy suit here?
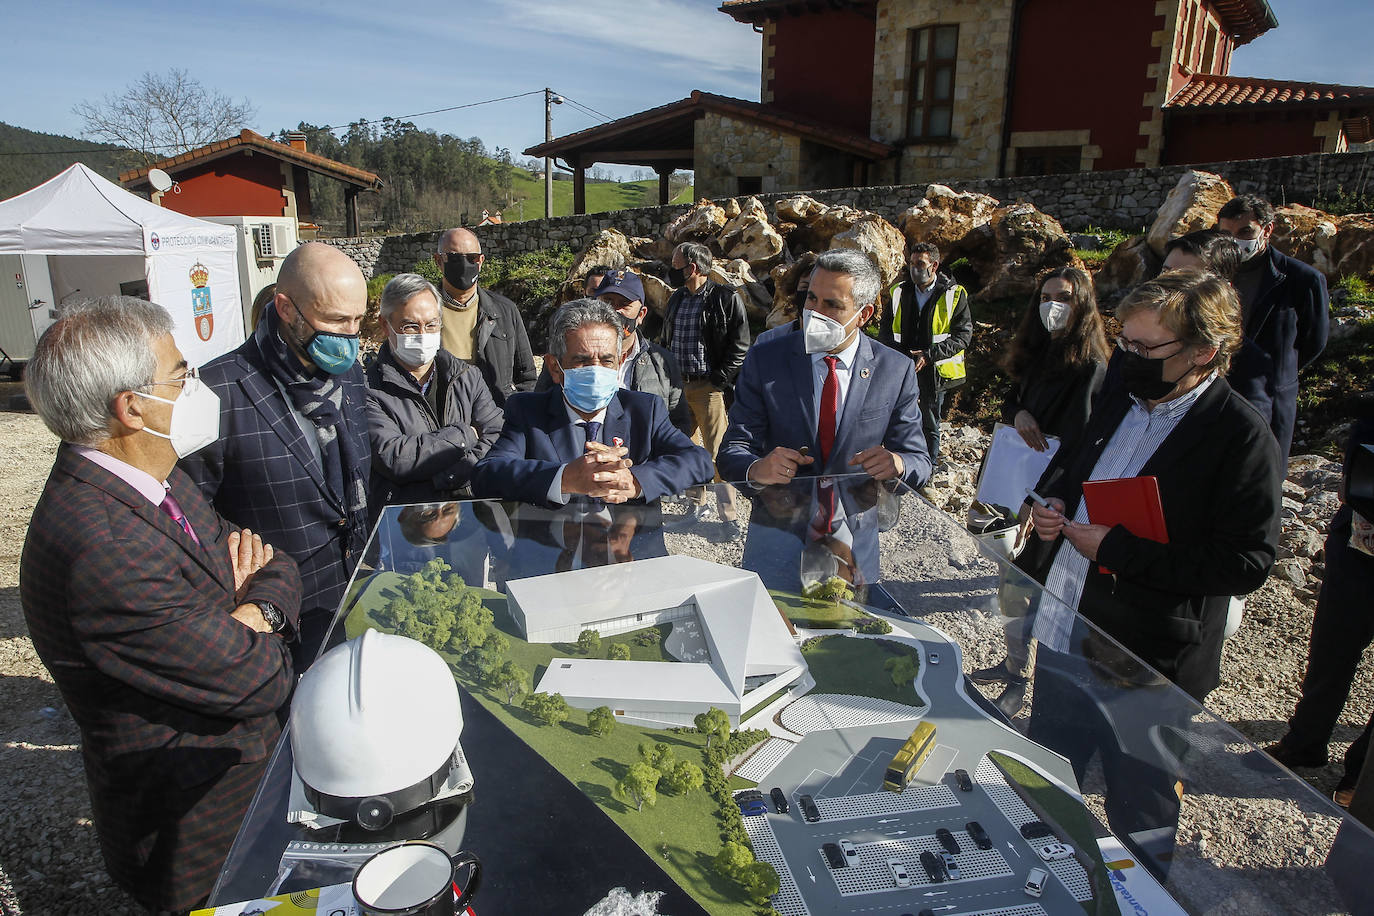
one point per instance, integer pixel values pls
(828, 400)
(587, 436)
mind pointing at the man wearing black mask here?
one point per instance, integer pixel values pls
(481, 327)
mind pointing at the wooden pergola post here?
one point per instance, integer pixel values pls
(663, 185)
(351, 227)
(580, 186)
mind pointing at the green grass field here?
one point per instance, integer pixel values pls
(817, 615)
(848, 666)
(680, 833)
(1069, 815)
(601, 197)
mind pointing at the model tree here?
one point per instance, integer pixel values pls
(760, 881)
(732, 859)
(618, 652)
(601, 721)
(588, 642)
(639, 785)
(714, 724)
(683, 776)
(513, 679)
(657, 755)
(549, 708)
(902, 668)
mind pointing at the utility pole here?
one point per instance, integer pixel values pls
(550, 99)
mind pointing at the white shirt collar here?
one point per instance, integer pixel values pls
(846, 355)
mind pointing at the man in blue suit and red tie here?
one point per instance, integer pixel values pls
(587, 436)
(828, 400)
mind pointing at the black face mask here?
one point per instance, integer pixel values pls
(1144, 378)
(627, 325)
(677, 276)
(459, 272)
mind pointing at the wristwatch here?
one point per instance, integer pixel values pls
(272, 615)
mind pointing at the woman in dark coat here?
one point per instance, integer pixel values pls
(1056, 361)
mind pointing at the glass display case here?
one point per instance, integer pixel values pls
(834, 632)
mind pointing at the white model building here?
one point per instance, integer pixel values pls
(734, 647)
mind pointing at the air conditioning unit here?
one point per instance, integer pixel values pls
(272, 241)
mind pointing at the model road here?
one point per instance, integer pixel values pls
(850, 762)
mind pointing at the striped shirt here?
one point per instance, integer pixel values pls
(686, 344)
(1135, 441)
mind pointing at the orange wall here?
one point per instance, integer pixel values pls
(235, 185)
(1082, 64)
(823, 67)
(1218, 138)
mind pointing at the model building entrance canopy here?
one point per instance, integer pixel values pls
(696, 132)
(250, 175)
(731, 642)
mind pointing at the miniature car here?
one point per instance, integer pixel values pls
(1053, 851)
(961, 777)
(833, 856)
(1035, 830)
(935, 869)
(934, 658)
(752, 808)
(779, 801)
(1035, 882)
(810, 813)
(749, 795)
(851, 852)
(978, 835)
(899, 873)
(947, 840)
(951, 866)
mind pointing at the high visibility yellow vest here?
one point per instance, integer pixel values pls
(952, 367)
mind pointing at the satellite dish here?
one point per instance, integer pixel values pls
(159, 179)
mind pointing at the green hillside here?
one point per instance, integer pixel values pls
(601, 197)
(29, 158)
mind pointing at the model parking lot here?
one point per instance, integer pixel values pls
(871, 875)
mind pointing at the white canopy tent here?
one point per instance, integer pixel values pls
(100, 240)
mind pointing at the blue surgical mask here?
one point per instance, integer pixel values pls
(334, 353)
(590, 388)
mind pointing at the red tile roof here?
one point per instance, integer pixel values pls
(257, 142)
(1210, 92)
(1245, 20)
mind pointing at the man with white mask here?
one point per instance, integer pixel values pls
(430, 415)
(929, 320)
(827, 400)
(165, 627)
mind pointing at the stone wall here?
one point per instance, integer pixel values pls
(743, 149)
(1125, 199)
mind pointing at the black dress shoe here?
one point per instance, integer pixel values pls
(1294, 757)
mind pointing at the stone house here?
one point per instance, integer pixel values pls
(869, 92)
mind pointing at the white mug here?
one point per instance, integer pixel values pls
(415, 879)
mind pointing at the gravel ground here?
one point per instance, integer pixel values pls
(50, 860)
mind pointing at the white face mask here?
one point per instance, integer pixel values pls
(195, 417)
(415, 350)
(1054, 315)
(822, 334)
(1249, 247)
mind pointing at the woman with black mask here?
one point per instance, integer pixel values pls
(791, 298)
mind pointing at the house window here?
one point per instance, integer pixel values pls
(930, 111)
(1048, 160)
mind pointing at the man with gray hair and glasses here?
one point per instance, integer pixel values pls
(430, 417)
(586, 436)
(165, 627)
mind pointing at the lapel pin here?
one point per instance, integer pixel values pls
(865, 372)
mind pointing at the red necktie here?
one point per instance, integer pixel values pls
(830, 406)
(170, 505)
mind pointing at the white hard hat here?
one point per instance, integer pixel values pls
(374, 727)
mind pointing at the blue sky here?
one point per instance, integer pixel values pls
(331, 63)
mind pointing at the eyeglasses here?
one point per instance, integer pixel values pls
(472, 257)
(190, 373)
(1139, 349)
(414, 327)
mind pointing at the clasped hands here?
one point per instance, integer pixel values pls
(1050, 522)
(603, 472)
(780, 465)
(247, 555)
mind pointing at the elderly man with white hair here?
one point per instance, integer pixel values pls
(430, 417)
(165, 627)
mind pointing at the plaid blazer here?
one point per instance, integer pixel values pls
(177, 702)
(262, 474)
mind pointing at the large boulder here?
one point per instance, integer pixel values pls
(656, 293)
(944, 216)
(610, 247)
(830, 223)
(647, 249)
(800, 209)
(756, 242)
(1011, 250)
(1192, 204)
(698, 224)
(783, 309)
(1130, 264)
(737, 274)
(1306, 234)
(1353, 251)
(878, 239)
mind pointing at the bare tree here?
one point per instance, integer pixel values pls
(161, 115)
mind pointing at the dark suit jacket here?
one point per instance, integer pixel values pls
(502, 346)
(1220, 482)
(1061, 402)
(176, 700)
(775, 404)
(539, 438)
(261, 474)
(1289, 321)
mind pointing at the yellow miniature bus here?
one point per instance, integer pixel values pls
(909, 758)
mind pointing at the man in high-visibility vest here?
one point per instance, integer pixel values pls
(928, 318)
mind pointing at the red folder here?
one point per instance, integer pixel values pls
(1132, 502)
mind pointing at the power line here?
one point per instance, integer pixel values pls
(589, 110)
